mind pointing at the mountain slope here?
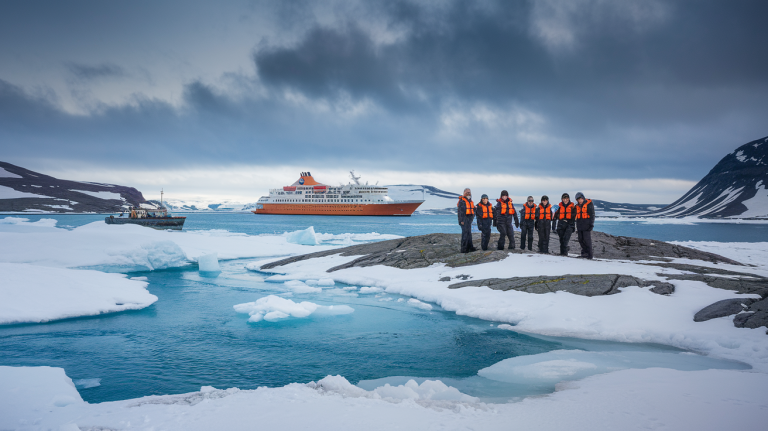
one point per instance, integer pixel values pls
(736, 187)
(22, 190)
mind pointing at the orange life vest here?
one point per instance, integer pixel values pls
(545, 212)
(468, 204)
(507, 207)
(485, 211)
(565, 211)
(530, 212)
(581, 210)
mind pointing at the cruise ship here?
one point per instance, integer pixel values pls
(307, 196)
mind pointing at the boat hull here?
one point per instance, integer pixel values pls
(393, 209)
(162, 223)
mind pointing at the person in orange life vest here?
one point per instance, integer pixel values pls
(565, 219)
(504, 212)
(543, 220)
(528, 218)
(585, 222)
(484, 211)
(466, 215)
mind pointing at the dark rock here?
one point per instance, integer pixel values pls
(425, 250)
(723, 308)
(663, 288)
(463, 277)
(755, 317)
(444, 279)
(585, 285)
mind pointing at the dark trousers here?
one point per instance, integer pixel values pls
(565, 236)
(544, 229)
(466, 236)
(484, 226)
(585, 241)
(506, 231)
(526, 231)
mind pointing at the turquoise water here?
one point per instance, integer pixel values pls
(192, 336)
(423, 224)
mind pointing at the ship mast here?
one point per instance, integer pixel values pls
(356, 179)
(161, 198)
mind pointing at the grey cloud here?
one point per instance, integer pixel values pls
(90, 72)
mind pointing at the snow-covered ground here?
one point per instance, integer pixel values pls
(41, 257)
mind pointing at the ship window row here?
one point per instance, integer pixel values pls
(325, 200)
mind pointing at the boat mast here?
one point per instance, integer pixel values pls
(161, 198)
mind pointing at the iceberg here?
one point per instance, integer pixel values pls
(209, 263)
(303, 237)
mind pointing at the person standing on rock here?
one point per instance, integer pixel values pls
(484, 212)
(466, 216)
(585, 222)
(543, 219)
(505, 212)
(528, 223)
(564, 222)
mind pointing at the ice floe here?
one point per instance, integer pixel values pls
(273, 308)
(33, 294)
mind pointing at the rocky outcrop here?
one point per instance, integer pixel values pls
(422, 251)
(585, 285)
(37, 192)
(754, 317)
(726, 307)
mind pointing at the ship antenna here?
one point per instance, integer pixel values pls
(356, 179)
(161, 198)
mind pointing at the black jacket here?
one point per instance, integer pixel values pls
(539, 220)
(479, 214)
(463, 217)
(505, 218)
(565, 223)
(535, 215)
(586, 224)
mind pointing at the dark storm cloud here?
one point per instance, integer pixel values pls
(89, 72)
(630, 89)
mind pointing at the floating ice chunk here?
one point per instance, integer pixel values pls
(139, 278)
(273, 308)
(209, 263)
(371, 290)
(304, 237)
(87, 383)
(401, 300)
(416, 303)
(300, 287)
(326, 282)
(349, 288)
(506, 326)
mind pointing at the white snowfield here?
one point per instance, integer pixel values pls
(44, 398)
(33, 294)
(37, 398)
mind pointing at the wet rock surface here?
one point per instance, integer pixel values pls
(726, 307)
(754, 317)
(422, 251)
(581, 284)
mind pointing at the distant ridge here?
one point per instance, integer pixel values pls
(737, 187)
(22, 190)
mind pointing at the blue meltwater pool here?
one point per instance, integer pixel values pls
(192, 337)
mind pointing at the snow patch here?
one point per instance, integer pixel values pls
(100, 195)
(6, 174)
(9, 193)
(433, 390)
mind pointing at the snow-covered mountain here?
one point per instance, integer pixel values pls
(205, 205)
(22, 190)
(436, 201)
(737, 187)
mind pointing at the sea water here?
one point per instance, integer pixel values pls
(192, 336)
(254, 224)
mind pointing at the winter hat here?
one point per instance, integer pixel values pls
(565, 195)
(483, 197)
(544, 198)
(504, 193)
(580, 195)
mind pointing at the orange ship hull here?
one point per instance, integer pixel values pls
(394, 209)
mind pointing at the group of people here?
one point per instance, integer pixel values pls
(567, 218)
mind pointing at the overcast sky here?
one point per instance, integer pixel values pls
(627, 101)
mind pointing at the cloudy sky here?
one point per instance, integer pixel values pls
(627, 101)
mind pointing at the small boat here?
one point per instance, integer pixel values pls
(158, 218)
